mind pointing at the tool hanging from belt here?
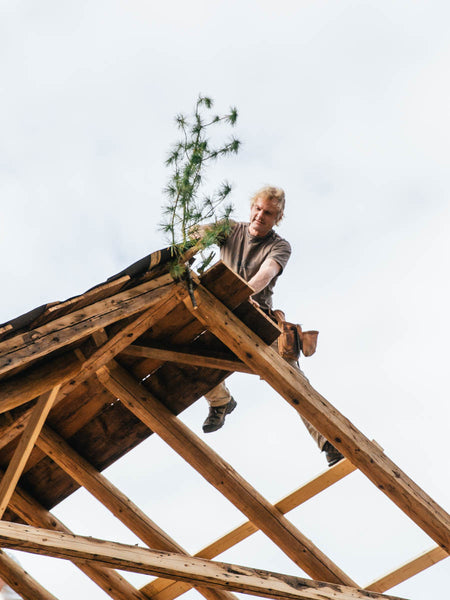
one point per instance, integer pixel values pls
(293, 340)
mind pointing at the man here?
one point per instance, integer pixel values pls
(259, 255)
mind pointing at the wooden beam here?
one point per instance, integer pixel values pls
(39, 379)
(221, 475)
(111, 497)
(70, 371)
(409, 569)
(109, 580)
(24, 447)
(163, 589)
(26, 347)
(194, 570)
(20, 581)
(189, 358)
(295, 388)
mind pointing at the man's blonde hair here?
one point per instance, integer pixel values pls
(275, 195)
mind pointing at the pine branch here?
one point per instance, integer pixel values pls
(187, 205)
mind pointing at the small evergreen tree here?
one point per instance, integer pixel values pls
(188, 205)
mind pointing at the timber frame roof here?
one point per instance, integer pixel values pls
(84, 381)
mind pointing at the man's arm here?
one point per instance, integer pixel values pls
(267, 271)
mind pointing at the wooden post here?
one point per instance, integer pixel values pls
(290, 384)
(193, 570)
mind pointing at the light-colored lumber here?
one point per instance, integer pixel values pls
(25, 446)
(111, 497)
(20, 581)
(70, 371)
(194, 570)
(25, 347)
(221, 475)
(409, 569)
(109, 580)
(162, 589)
(296, 389)
(188, 358)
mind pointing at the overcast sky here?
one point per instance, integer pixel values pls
(345, 105)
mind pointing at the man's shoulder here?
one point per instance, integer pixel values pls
(237, 229)
(280, 240)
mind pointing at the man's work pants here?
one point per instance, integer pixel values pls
(220, 395)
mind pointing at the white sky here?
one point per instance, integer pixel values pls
(345, 105)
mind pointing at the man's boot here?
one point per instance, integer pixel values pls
(216, 416)
(332, 454)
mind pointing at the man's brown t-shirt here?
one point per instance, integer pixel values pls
(244, 253)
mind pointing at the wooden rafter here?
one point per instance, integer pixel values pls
(290, 384)
(109, 580)
(120, 506)
(162, 589)
(25, 446)
(221, 475)
(20, 581)
(194, 570)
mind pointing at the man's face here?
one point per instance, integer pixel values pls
(263, 215)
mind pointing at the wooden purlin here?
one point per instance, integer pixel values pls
(408, 570)
(188, 357)
(290, 384)
(194, 570)
(221, 475)
(114, 500)
(111, 582)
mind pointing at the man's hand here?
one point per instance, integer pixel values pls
(196, 232)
